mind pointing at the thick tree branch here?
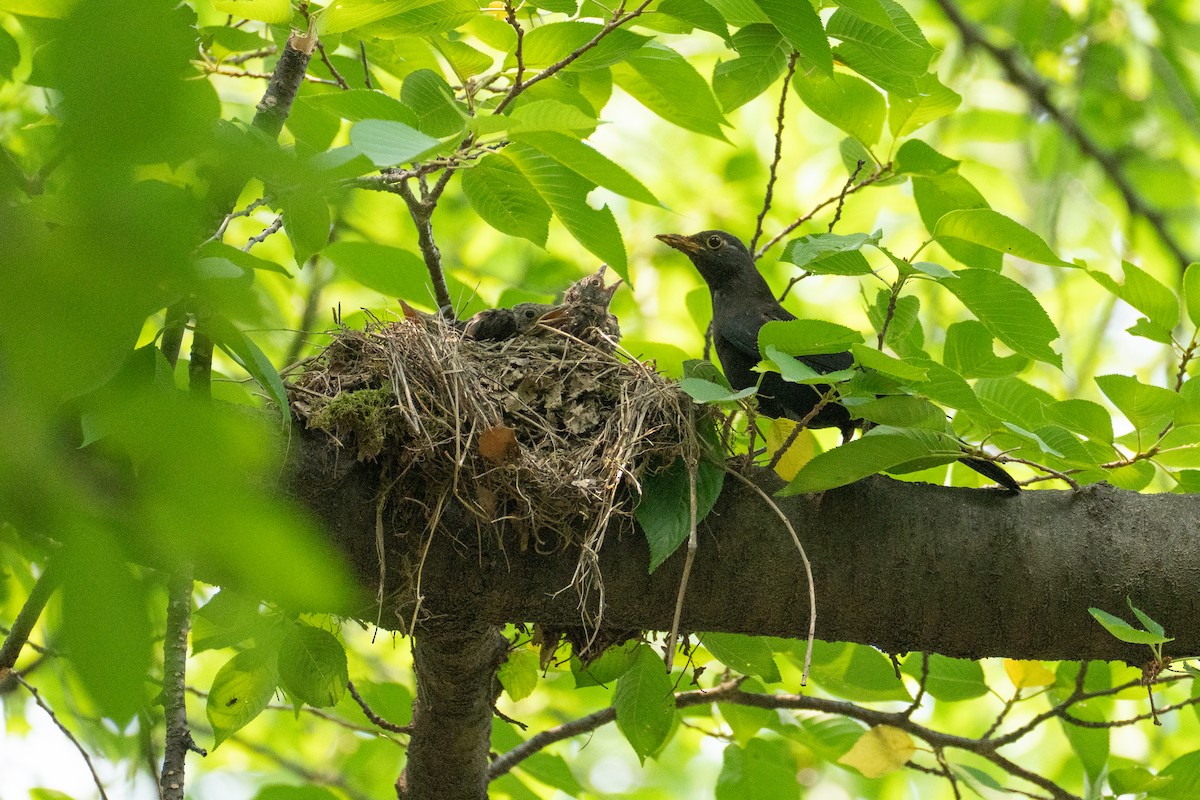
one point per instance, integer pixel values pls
(456, 672)
(906, 567)
(1038, 91)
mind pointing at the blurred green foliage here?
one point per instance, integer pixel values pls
(125, 141)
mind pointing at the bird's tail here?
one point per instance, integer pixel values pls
(990, 469)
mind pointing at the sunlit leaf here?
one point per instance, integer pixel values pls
(748, 655)
(519, 673)
(240, 691)
(388, 143)
(1027, 674)
(312, 666)
(846, 101)
(762, 55)
(1009, 311)
(645, 704)
(1122, 630)
(666, 83)
(993, 230)
(505, 199)
(802, 28)
(261, 10)
(762, 768)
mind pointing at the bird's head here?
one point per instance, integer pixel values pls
(719, 256)
(530, 314)
(590, 290)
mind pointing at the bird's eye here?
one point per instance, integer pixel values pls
(714, 242)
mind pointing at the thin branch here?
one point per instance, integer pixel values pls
(421, 212)
(18, 636)
(1053, 473)
(783, 95)
(362, 54)
(217, 69)
(1038, 91)
(503, 763)
(619, 18)
(270, 230)
(510, 16)
(375, 718)
(37, 698)
(837, 215)
(242, 58)
(337, 76)
(879, 174)
(178, 735)
(922, 684)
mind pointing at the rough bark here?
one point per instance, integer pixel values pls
(903, 566)
(456, 673)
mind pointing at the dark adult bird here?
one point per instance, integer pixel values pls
(494, 324)
(742, 303)
(584, 311)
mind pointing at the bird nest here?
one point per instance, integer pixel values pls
(543, 439)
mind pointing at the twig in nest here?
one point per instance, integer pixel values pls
(812, 589)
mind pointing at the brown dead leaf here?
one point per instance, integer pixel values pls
(498, 444)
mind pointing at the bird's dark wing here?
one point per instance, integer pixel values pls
(740, 329)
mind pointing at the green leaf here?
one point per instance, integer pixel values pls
(817, 253)
(10, 55)
(228, 619)
(465, 60)
(879, 361)
(306, 222)
(795, 371)
(993, 230)
(547, 44)
(853, 672)
(1147, 622)
(548, 115)
(565, 191)
(870, 10)
(356, 105)
(762, 58)
(246, 353)
(645, 704)
(917, 158)
(902, 411)
(438, 113)
(1133, 780)
(346, 15)
(697, 13)
(854, 461)
(1191, 292)
(388, 143)
(763, 768)
(239, 257)
(807, 337)
(664, 510)
(260, 10)
(312, 666)
(588, 162)
(950, 679)
(505, 199)
(800, 25)
(1145, 406)
(844, 100)
(886, 57)
(388, 270)
(666, 83)
(703, 391)
(1082, 416)
(1184, 776)
(749, 655)
(939, 194)
(968, 351)
(612, 664)
(933, 101)
(519, 673)
(1008, 310)
(242, 688)
(1122, 630)
(1147, 295)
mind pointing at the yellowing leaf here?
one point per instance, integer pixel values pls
(1027, 674)
(881, 750)
(800, 453)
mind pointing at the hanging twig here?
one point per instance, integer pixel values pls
(783, 95)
